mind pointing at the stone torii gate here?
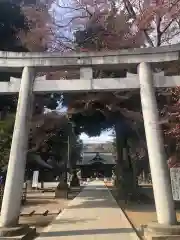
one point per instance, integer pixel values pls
(146, 80)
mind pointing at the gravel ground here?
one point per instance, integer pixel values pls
(41, 208)
(140, 213)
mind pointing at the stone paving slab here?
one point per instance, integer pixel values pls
(92, 215)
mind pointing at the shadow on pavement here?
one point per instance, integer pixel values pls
(37, 202)
(100, 203)
(40, 196)
(72, 221)
(86, 232)
(94, 199)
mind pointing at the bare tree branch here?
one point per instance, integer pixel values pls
(132, 13)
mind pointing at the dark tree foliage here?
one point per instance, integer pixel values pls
(92, 124)
(12, 22)
(52, 101)
(59, 138)
(90, 37)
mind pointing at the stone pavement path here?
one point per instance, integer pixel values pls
(92, 215)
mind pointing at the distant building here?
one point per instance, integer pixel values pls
(96, 164)
(98, 147)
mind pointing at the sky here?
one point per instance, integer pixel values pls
(104, 137)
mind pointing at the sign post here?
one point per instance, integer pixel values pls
(175, 182)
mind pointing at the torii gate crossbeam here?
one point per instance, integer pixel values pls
(89, 85)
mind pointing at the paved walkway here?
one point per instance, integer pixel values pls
(92, 215)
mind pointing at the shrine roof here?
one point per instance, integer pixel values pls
(91, 157)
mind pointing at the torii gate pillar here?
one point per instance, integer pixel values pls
(16, 168)
(165, 208)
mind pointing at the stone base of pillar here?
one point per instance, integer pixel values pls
(155, 231)
(62, 190)
(29, 184)
(18, 232)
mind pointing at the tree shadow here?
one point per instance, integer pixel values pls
(40, 197)
(135, 207)
(86, 232)
(72, 220)
(99, 199)
(94, 203)
(37, 202)
(37, 220)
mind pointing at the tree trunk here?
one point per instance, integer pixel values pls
(124, 168)
(42, 184)
(63, 179)
(29, 179)
(119, 165)
(41, 178)
(127, 181)
(29, 184)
